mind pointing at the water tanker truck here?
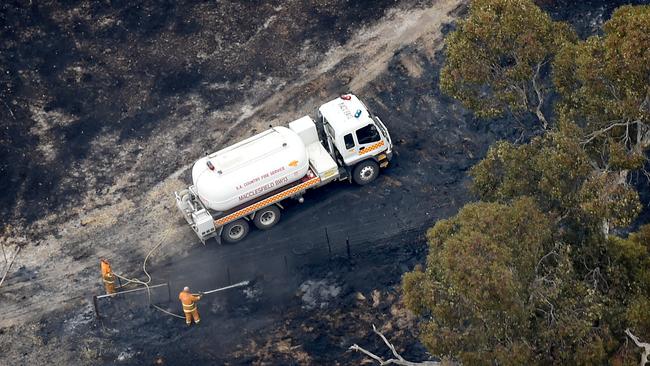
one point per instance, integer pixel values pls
(247, 182)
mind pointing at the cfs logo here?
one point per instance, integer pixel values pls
(294, 163)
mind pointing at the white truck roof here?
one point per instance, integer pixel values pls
(340, 114)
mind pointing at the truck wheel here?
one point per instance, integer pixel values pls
(235, 231)
(267, 217)
(365, 172)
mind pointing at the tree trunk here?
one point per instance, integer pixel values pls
(540, 97)
(541, 117)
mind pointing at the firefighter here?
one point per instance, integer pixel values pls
(108, 277)
(188, 300)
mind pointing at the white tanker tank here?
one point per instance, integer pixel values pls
(249, 169)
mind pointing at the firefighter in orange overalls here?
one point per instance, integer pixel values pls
(189, 305)
(108, 277)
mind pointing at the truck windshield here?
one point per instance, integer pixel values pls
(368, 134)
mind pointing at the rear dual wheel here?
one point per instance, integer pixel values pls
(267, 217)
(264, 219)
(235, 231)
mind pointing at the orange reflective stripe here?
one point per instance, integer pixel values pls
(275, 198)
(372, 147)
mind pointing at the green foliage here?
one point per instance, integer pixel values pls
(628, 279)
(551, 168)
(554, 169)
(501, 174)
(621, 158)
(568, 311)
(605, 85)
(603, 196)
(496, 57)
(532, 274)
(497, 290)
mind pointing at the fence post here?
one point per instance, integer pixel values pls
(96, 307)
(329, 246)
(347, 244)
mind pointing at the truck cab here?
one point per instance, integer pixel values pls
(356, 138)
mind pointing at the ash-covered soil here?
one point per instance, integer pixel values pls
(103, 100)
(107, 104)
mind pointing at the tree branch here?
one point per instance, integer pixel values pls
(645, 173)
(539, 263)
(10, 111)
(4, 253)
(590, 137)
(644, 133)
(540, 97)
(644, 345)
(399, 360)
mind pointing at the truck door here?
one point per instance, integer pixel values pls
(349, 149)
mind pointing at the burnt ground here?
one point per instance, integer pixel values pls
(111, 103)
(75, 72)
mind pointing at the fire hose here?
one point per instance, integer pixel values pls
(148, 281)
(240, 284)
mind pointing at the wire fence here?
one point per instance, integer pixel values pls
(283, 258)
(112, 305)
(328, 243)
